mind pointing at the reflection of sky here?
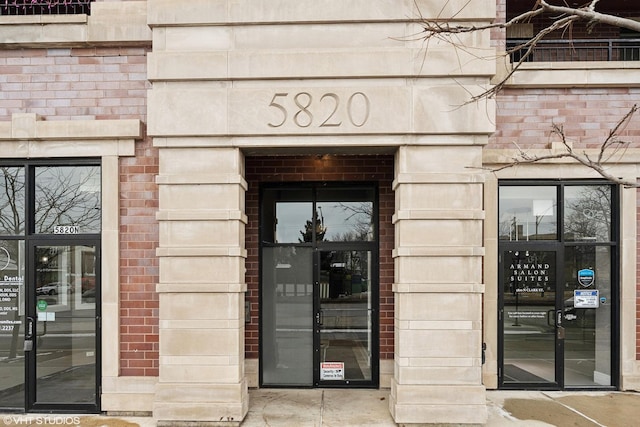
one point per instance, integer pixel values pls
(517, 203)
(293, 216)
(340, 219)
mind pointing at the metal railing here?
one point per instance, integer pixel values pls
(45, 7)
(578, 50)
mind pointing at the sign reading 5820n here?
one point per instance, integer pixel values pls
(66, 229)
(324, 110)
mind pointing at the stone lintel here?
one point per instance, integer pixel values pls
(226, 178)
(29, 126)
(439, 288)
(438, 251)
(438, 178)
(201, 287)
(437, 214)
(201, 215)
(204, 251)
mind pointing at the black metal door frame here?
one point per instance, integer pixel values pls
(318, 247)
(557, 248)
(32, 332)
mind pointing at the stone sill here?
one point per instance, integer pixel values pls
(576, 74)
(42, 19)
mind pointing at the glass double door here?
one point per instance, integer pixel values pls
(319, 285)
(49, 325)
(318, 317)
(556, 317)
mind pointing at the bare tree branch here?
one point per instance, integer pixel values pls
(583, 158)
(564, 18)
(440, 29)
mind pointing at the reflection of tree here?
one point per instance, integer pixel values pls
(359, 215)
(67, 196)
(12, 200)
(588, 215)
(307, 234)
(64, 196)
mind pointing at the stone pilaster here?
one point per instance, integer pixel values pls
(438, 286)
(202, 285)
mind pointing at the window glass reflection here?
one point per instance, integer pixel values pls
(346, 214)
(65, 289)
(588, 330)
(587, 213)
(12, 312)
(294, 222)
(12, 198)
(528, 213)
(67, 199)
(346, 221)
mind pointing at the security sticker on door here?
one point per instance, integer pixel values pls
(586, 299)
(332, 371)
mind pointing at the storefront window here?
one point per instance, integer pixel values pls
(12, 197)
(558, 290)
(587, 213)
(67, 199)
(528, 213)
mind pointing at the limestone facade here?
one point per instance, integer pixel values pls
(229, 80)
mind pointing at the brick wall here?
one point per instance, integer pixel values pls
(95, 84)
(587, 115)
(139, 334)
(63, 84)
(332, 168)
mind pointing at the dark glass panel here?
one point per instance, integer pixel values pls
(67, 199)
(66, 324)
(12, 200)
(346, 214)
(529, 290)
(12, 315)
(587, 213)
(587, 316)
(287, 316)
(528, 213)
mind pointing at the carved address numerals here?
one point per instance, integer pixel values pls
(329, 107)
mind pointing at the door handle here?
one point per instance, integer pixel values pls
(29, 332)
(559, 327)
(319, 318)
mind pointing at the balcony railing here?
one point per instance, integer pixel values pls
(578, 50)
(45, 7)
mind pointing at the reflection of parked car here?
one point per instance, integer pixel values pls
(88, 283)
(53, 288)
(89, 295)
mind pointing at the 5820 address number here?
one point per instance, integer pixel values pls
(66, 229)
(330, 110)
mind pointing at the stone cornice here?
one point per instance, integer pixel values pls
(110, 23)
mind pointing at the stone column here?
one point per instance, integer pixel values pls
(438, 286)
(202, 285)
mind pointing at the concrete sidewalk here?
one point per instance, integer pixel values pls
(338, 408)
